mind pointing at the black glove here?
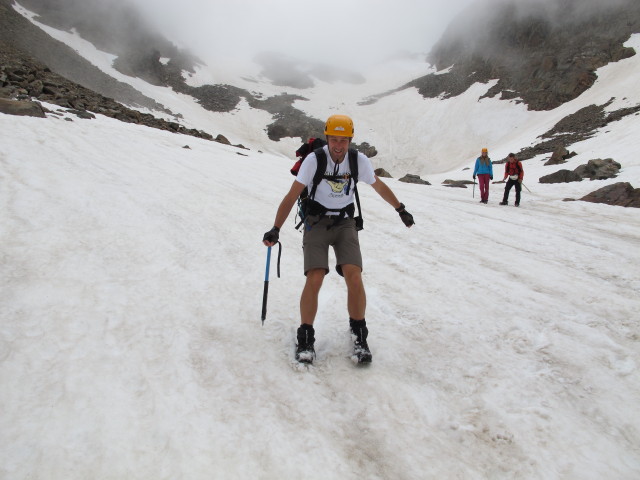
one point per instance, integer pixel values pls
(272, 235)
(474, 177)
(491, 177)
(405, 216)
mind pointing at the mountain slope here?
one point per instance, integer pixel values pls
(543, 53)
(420, 140)
(20, 38)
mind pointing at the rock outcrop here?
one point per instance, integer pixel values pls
(541, 53)
(457, 183)
(597, 169)
(560, 155)
(411, 178)
(561, 176)
(381, 172)
(24, 78)
(21, 108)
(621, 194)
(575, 127)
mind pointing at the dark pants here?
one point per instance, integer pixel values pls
(507, 188)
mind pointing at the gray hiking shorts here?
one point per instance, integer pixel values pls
(342, 236)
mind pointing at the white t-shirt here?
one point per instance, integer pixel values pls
(332, 194)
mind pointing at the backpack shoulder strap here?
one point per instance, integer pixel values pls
(353, 164)
(321, 158)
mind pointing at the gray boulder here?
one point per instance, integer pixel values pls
(369, 150)
(410, 178)
(35, 88)
(82, 114)
(222, 139)
(621, 194)
(561, 176)
(457, 183)
(599, 169)
(559, 156)
(381, 172)
(22, 108)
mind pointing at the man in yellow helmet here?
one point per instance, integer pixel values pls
(331, 223)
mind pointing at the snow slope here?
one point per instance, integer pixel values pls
(505, 341)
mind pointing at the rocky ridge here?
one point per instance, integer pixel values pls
(24, 78)
(541, 54)
(24, 75)
(21, 41)
(573, 128)
(117, 28)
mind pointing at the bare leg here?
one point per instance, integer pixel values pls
(309, 297)
(356, 296)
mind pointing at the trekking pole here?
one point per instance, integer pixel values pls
(526, 188)
(474, 188)
(265, 292)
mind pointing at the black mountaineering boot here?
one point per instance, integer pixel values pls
(359, 332)
(304, 350)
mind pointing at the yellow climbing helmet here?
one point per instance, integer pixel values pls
(339, 126)
(484, 150)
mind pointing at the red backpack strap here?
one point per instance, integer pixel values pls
(296, 167)
(306, 148)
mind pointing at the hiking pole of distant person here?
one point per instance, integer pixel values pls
(526, 187)
(474, 188)
(265, 291)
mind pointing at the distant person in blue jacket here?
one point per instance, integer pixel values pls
(484, 172)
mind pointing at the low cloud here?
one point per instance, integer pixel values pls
(356, 33)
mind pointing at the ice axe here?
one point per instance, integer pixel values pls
(266, 280)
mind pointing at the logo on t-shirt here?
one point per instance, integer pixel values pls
(339, 186)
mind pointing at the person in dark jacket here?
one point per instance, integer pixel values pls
(514, 171)
(484, 171)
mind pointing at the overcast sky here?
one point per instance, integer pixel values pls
(360, 31)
